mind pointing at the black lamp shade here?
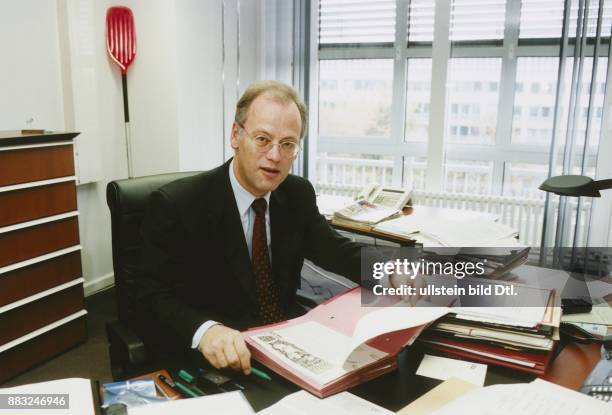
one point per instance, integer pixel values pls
(571, 185)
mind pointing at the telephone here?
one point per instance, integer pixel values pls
(392, 198)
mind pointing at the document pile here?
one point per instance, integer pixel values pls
(451, 227)
(360, 343)
(519, 337)
(461, 235)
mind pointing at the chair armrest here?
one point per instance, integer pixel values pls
(126, 346)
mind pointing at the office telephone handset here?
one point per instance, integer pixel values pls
(392, 198)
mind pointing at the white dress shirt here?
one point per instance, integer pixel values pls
(244, 199)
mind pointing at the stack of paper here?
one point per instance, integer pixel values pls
(450, 227)
(475, 236)
(536, 398)
(360, 342)
(522, 338)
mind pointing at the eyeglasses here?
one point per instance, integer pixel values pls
(288, 148)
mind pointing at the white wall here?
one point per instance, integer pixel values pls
(199, 53)
(30, 72)
(56, 70)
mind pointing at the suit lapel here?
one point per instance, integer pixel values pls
(232, 235)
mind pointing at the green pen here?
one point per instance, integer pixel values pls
(260, 374)
(184, 389)
(187, 377)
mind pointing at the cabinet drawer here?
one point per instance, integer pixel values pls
(25, 355)
(33, 164)
(37, 202)
(27, 281)
(25, 243)
(22, 320)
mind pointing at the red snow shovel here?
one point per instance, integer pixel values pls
(121, 46)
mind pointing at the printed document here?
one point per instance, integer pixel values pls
(536, 398)
(303, 403)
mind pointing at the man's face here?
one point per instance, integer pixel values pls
(262, 172)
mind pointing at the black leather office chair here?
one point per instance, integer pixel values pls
(127, 200)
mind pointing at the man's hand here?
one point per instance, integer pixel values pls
(224, 347)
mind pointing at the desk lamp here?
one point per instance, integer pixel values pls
(573, 185)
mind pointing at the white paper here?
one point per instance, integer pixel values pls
(231, 403)
(515, 316)
(536, 398)
(303, 403)
(443, 368)
(390, 319)
(300, 347)
(365, 212)
(78, 390)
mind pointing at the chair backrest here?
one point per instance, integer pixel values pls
(127, 200)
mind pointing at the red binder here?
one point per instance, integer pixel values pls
(378, 333)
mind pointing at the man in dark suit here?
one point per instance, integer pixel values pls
(223, 250)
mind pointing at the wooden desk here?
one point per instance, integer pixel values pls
(573, 365)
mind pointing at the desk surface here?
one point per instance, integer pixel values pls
(397, 389)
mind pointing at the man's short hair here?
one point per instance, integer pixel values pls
(279, 90)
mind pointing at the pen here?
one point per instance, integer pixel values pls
(260, 374)
(187, 390)
(178, 387)
(186, 376)
(161, 390)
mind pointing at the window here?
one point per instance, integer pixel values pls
(417, 100)
(462, 77)
(361, 22)
(537, 71)
(493, 117)
(361, 105)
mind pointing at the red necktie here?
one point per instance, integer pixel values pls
(268, 304)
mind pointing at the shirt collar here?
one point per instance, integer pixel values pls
(244, 198)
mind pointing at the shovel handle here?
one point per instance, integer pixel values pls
(126, 110)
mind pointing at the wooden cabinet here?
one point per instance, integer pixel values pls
(41, 287)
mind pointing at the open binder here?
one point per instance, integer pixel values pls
(339, 344)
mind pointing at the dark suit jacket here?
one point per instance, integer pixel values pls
(195, 263)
